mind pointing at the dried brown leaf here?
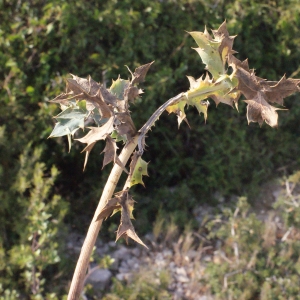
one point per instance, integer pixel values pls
(277, 91)
(87, 151)
(110, 206)
(87, 89)
(124, 125)
(109, 151)
(110, 155)
(126, 228)
(260, 92)
(259, 110)
(98, 101)
(140, 73)
(98, 133)
(222, 35)
(132, 92)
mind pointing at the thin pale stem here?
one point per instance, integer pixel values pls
(155, 116)
(88, 245)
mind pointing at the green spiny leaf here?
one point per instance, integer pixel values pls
(138, 168)
(118, 87)
(208, 51)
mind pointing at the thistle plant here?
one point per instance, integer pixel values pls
(88, 102)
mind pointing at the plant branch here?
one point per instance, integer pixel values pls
(87, 248)
(143, 131)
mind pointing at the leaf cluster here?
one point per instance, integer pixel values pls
(218, 55)
(109, 110)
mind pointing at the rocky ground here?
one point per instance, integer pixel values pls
(184, 268)
(183, 264)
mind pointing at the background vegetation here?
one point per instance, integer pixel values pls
(43, 191)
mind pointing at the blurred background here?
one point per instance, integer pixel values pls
(44, 194)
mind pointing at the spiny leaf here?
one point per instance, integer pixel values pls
(110, 151)
(87, 151)
(132, 92)
(259, 110)
(124, 202)
(99, 102)
(117, 137)
(95, 134)
(203, 88)
(208, 51)
(124, 125)
(72, 113)
(138, 169)
(98, 133)
(259, 92)
(178, 109)
(69, 121)
(110, 206)
(277, 91)
(118, 87)
(66, 126)
(126, 228)
(130, 203)
(214, 52)
(140, 73)
(222, 35)
(85, 89)
(202, 107)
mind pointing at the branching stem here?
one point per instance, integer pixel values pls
(87, 248)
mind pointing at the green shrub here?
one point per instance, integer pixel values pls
(30, 244)
(256, 258)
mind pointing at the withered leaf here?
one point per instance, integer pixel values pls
(124, 125)
(86, 89)
(248, 83)
(260, 93)
(108, 97)
(87, 85)
(98, 133)
(98, 101)
(87, 151)
(222, 35)
(110, 153)
(126, 228)
(277, 91)
(110, 206)
(132, 92)
(259, 110)
(140, 73)
(64, 98)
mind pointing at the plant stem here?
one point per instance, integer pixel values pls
(88, 245)
(155, 116)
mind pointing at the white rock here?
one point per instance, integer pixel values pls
(181, 278)
(123, 270)
(136, 252)
(124, 276)
(112, 244)
(99, 278)
(122, 253)
(181, 271)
